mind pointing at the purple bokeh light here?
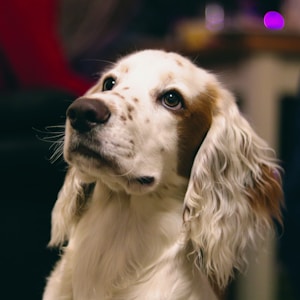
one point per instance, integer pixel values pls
(273, 20)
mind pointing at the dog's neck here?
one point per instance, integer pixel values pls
(119, 235)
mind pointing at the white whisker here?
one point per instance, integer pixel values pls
(55, 136)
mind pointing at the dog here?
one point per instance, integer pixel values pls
(167, 186)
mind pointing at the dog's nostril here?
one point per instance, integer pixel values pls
(85, 113)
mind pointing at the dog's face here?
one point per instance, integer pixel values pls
(143, 122)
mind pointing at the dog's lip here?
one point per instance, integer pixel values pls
(145, 180)
(83, 150)
(87, 151)
(90, 153)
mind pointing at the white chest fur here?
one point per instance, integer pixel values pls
(126, 246)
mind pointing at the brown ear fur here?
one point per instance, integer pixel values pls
(233, 194)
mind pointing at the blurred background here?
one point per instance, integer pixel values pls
(52, 51)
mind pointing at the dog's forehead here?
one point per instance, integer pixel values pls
(156, 57)
(156, 61)
(159, 67)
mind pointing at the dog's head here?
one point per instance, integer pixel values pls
(142, 124)
(155, 119)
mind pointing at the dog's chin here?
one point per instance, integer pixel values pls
(94, 167)
(132, 185)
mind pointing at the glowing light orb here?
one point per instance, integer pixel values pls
(273, 20)
(214, 17)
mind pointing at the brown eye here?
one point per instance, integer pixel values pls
(108, 84)
(172, 100)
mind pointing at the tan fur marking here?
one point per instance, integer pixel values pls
(124, 68)
(193, 127)
(166, 78)
(130, 108)
(179, 63)
(266, 196)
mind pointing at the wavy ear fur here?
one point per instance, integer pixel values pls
(233, 194)
(71, 202)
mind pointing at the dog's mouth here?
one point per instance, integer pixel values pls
(140, 184)
(145, 180)
(89, 153)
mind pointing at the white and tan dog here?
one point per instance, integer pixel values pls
(167, 186)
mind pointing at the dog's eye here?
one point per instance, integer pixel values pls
(108, 84)
(172, 100)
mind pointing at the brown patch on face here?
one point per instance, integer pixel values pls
(165, 187)
(130, 108)
(166, 78)
(136, 100)
(179, 62)
(266, 196)
(193, 127)
(124, 68)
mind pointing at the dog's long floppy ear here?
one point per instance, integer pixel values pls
(234, 193)
(70, 204)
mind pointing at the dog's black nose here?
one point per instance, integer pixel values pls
(86, 113)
